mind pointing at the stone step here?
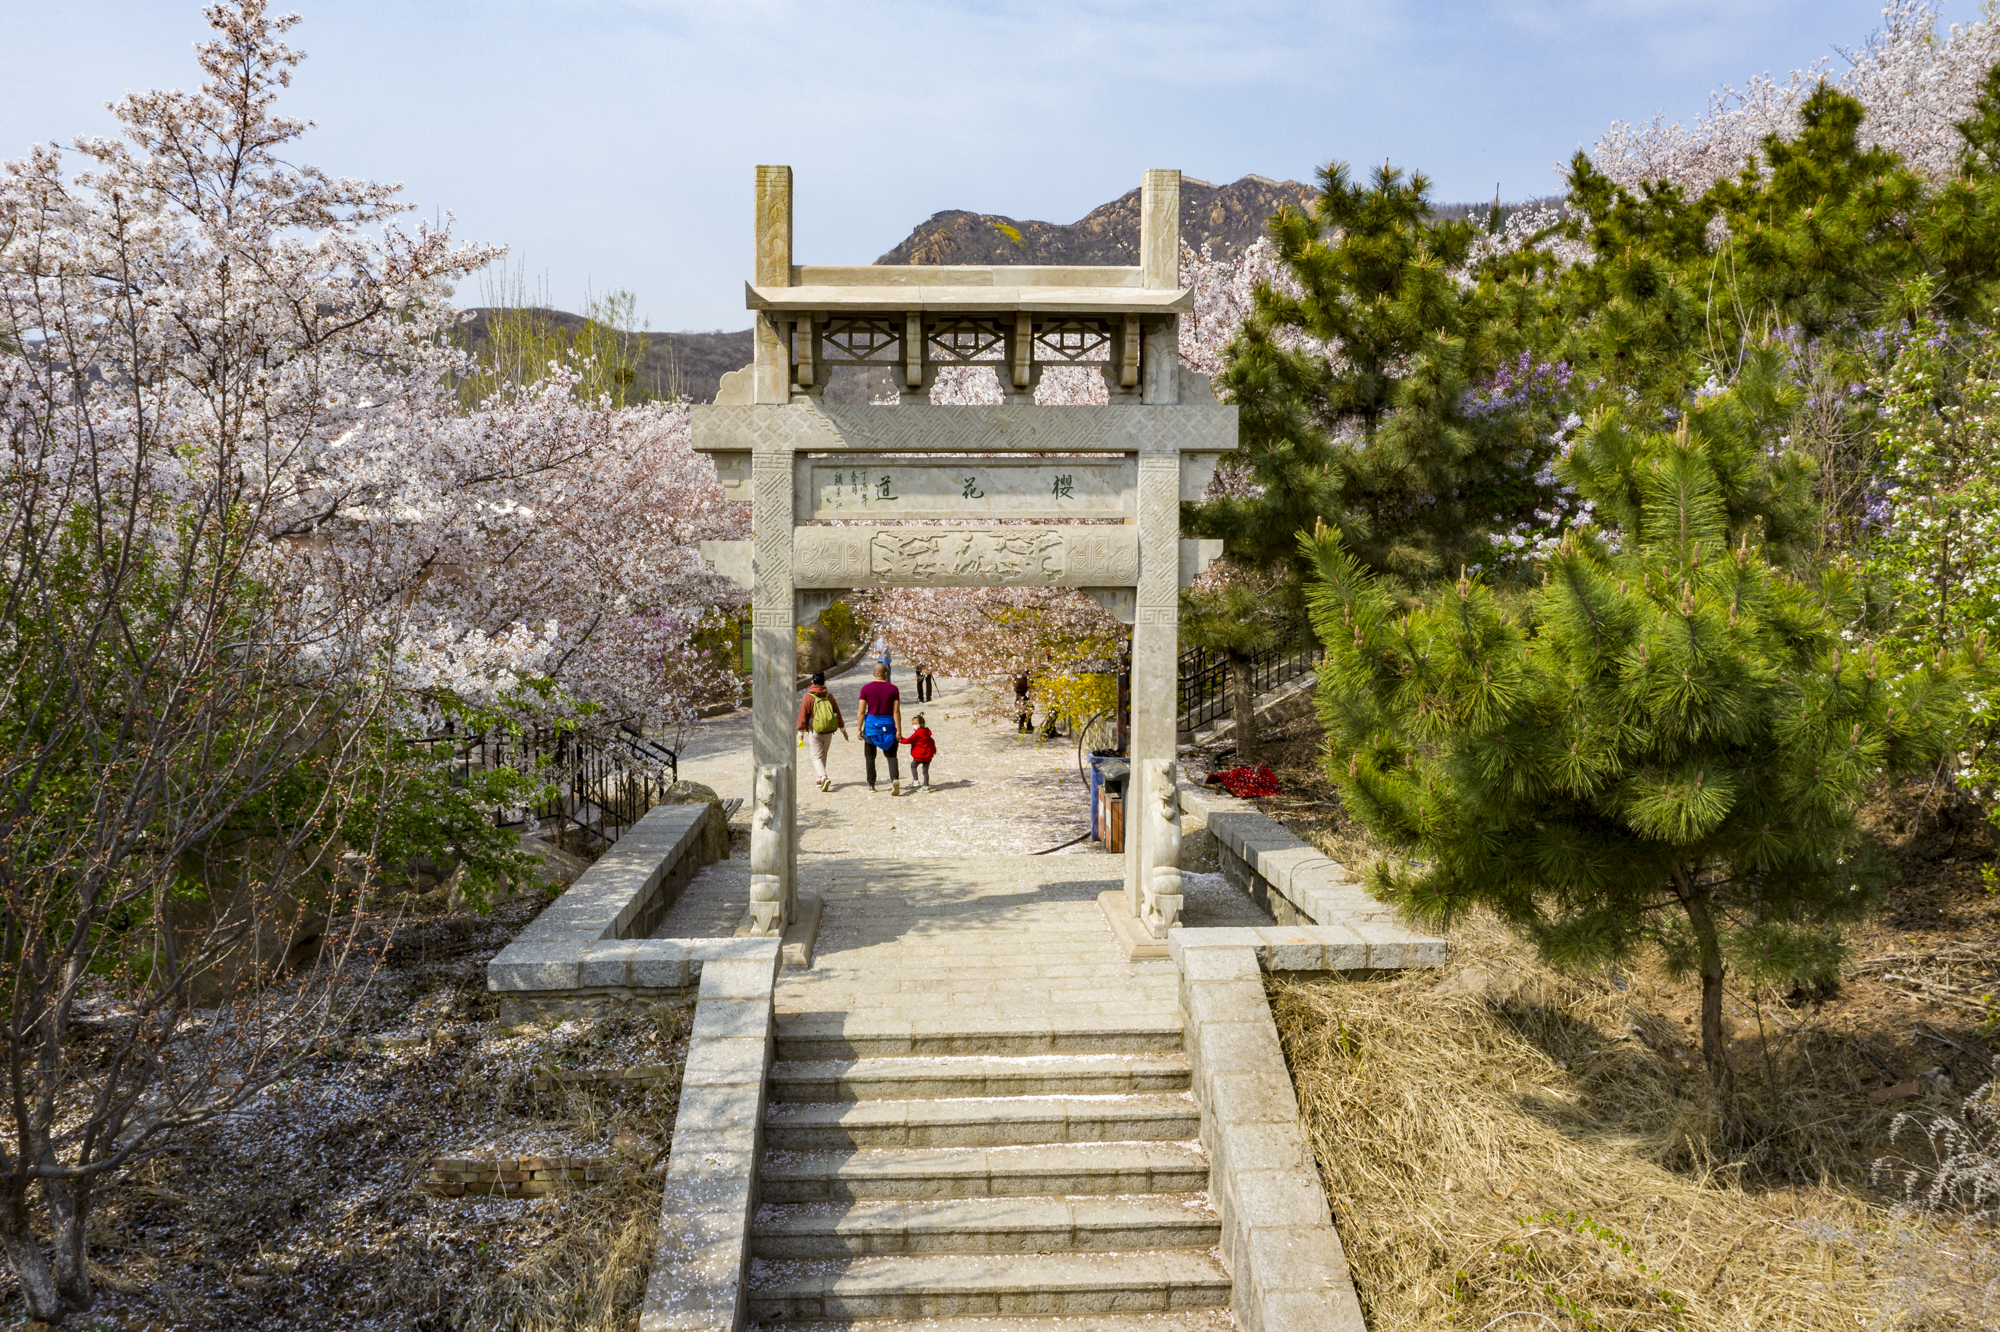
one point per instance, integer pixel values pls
(812, 1035)
(982, 1172)
(938, 1076)
(986, 1225)
(970, 1285)
(1187, 1320)
(981, 1121)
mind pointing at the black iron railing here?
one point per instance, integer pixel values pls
(1204, 678)
(601, 785)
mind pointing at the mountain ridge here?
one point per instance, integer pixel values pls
(1227, 218)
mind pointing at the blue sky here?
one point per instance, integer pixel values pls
(611, 142)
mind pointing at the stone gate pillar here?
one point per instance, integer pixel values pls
(1156, 615)
(774, 653)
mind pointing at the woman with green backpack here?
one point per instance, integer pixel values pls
(819, 718)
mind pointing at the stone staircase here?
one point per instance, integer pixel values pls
(1010, 1179)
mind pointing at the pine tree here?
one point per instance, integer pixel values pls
(1352, 376)
(1815, 239)
(1664, 747)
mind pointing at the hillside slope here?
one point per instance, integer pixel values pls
(1228, 218)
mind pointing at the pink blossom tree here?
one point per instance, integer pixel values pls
(249, 545)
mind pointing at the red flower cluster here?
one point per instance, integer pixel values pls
(1246, 783)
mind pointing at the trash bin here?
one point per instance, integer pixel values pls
(1107, 780)
(1113, 817)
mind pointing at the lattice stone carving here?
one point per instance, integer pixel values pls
(863, 341)
(1159, 531)
(771, 514)
(1102, 555)
(966, 340)
(825, 556)
(1075, 341)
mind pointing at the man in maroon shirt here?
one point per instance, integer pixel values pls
(881, 723)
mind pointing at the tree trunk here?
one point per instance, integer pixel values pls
(51, 1290)
(69, 1208)
(1243, 707)
(31, 1266)
(1714, 1051)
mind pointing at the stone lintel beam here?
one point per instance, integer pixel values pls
(811, 427)
(788, 302)
(1096, 558)
(967, 275)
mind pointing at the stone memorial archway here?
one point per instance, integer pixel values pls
(1091, 494)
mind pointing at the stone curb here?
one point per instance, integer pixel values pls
(1329, 913)
(588, 949)
(701, 1261)
(1287, 1270)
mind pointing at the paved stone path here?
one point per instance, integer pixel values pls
(980, 1108)
(899, 873)
(996, 791)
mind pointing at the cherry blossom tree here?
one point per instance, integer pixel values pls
(1915, 83)
(249, 546)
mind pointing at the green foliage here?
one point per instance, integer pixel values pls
(1812, 242)
(1240, 618)
(1664, 748)
(521, 339)
(1762, 491)
(416, 802)
(1937, 562)
(847, 629)
(1352, 380)
(1934, 560)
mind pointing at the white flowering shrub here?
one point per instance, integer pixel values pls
(1915, 82)
(1936, 511)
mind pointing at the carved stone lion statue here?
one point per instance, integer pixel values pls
(769, 907)
(1162, 834)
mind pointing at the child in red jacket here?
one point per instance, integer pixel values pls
(923, 748)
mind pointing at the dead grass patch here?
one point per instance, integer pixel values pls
(1506, 1144)
(304, 1213)
(588, 1275)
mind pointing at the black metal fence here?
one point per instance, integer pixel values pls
(1204, 678)
(602, 785)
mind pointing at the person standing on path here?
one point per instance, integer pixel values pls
(819, 719)
(923, 748)
(881, 724)
(882, 656)
(925, 685)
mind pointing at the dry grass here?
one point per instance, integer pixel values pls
(589, 1275)
(305, 1215)
(1502, 1142)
